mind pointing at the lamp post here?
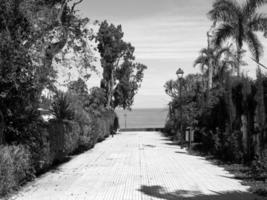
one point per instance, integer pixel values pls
(180, 74)
(125, 120)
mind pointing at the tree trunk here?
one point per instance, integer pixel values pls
(261, 118)
(244, 130)
(110, 90)
(210, 75)
(2, 125)
(210, 63)
(238, 60)
(109, 95)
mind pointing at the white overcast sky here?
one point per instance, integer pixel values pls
(167, 34)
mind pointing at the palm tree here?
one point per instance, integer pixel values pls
(239, 22)
(210, 61)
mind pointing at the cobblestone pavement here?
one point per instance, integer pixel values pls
(136, 166)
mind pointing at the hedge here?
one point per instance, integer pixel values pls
(52, 143)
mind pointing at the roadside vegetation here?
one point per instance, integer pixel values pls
(41, 125)
(226, 108)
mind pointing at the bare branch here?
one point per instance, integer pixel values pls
(60, 14)
(75, 4)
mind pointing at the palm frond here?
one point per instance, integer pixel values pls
(207, 52)
(201, 60)
(232, 64)
(203, 63)
(255, 45)
(224, 32)
(220, 72)
(225, 10)
(258, 23)
(221, 51)
(251, 6)
(61, 107)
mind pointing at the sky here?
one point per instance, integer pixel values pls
(166, 34)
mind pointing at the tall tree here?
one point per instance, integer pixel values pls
(111, 48)
(117, 61)
(239, 22)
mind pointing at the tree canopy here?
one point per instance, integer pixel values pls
(239, 22)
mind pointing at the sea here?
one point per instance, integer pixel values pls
(142, 118)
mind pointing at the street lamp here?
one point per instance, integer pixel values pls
(125, 120)
(180, 74)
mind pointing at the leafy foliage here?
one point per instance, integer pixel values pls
(215, 62)
(229, 116)
(96, 101)
(129, 76)
(239, 22)
(19, 89)
(225, 118)
(36, 37)
(15, 167)
(61, 107)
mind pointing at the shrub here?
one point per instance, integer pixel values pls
(39, 144)
(61, 107)
(228, 146)
(15, 167)
(7, 179)
(84, 119)
(169, 128)
(232, 149)
(64, 138)
(259, 167)
(258, 187)
(23, 170)
(207, 140)
(107, 124)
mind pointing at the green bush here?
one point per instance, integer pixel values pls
(228, 146)
(64, 138)
(39, 146)
(74, 129)
(258, 187)
(23, 170)
(169, 128)
(207, 140)
(7, 179)
(61, 107)
(106, 124)
(84, 119)
(232, 149)
(259, 167)
(15, 167)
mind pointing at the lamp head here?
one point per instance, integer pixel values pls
(180, 73)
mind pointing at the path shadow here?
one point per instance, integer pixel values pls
(157, 191)
(149, 145)
(165, 139)
(190, 155)
(172, 144)
(182, 152)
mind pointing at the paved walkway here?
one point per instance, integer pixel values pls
(136, 166)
